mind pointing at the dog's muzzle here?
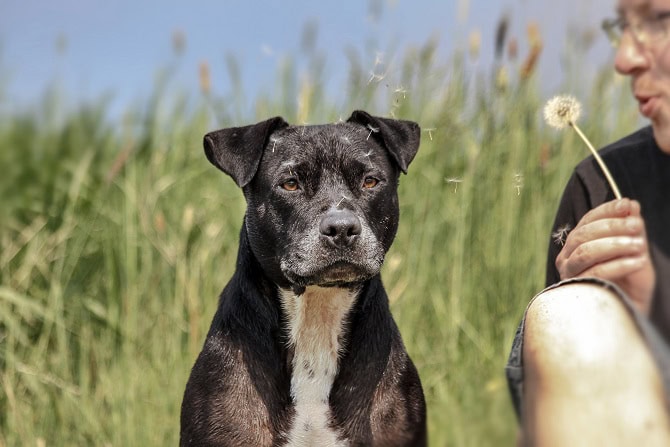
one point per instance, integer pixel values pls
(342, 252)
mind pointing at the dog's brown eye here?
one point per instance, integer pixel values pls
(290, 185)
(370, 182)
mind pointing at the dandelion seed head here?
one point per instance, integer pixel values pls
(561, 111)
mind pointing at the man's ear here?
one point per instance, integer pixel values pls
(401, 138)
(237, 151)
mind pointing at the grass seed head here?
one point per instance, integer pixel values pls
(474, 43)
(205, 78)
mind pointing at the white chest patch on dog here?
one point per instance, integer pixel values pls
(315, 320)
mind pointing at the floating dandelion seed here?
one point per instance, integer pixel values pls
(562, 111)
(274, 140)
(379, 58)
(455, 181)
(372, 129)
(289, 165)
(518, 183)
(401, 91)
(430, 131)
(369, 160)
(341, 200)
(561, 234)
(376, 77)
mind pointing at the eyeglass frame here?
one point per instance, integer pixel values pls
(644, 31)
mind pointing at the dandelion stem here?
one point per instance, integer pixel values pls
(600, 161)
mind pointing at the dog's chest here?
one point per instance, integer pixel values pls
(315, 321)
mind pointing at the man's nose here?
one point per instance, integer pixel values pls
(631, 56)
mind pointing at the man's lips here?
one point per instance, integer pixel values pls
(647, 104)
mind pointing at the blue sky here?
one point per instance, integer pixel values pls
(118, 46)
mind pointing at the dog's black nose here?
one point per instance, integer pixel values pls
(340, 228)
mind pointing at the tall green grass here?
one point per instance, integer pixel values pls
(116, 238)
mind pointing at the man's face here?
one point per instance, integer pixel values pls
(646, 60)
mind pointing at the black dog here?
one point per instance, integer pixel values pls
(303, 350)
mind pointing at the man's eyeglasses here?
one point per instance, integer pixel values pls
(646, 31)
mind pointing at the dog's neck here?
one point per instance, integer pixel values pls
(316, 321)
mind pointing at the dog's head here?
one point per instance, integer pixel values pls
(322, 206)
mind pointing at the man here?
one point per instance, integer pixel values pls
(591, 361)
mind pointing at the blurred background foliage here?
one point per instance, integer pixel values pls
(117, 235)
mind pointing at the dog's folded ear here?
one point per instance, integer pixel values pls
(401, 138)
(237, 151)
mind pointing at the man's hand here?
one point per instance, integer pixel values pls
(610, 243)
